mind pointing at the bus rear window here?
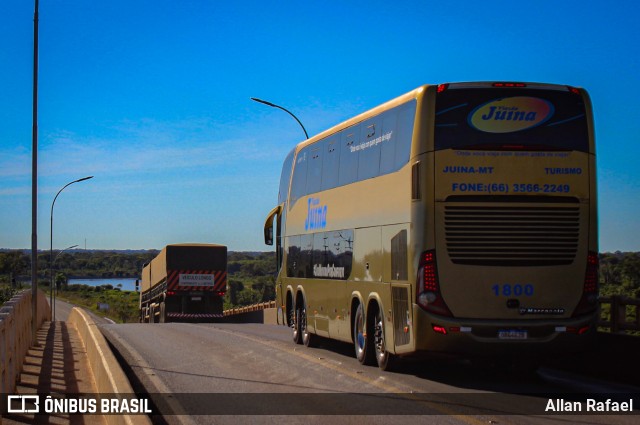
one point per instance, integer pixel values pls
(507, 119)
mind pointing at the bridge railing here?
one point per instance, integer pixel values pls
(621, 309)
(616, 320)
(16, 335)
(249, 308)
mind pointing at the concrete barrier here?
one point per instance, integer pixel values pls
(16, 335)
(270, 316)
(109, 377)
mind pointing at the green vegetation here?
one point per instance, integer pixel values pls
(6, 292)
(250, 277)
(120, 306)
(620, 274)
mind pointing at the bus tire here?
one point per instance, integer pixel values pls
(294, 322)
(362, 340)
(308, 339)
(384, 359)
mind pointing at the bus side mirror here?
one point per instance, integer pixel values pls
(268, 225)
(137, 285)
(268, 235)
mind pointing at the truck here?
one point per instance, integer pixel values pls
(184, 282)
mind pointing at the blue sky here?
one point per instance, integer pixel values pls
(152, 98)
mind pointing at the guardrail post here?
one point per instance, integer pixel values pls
(615, 300)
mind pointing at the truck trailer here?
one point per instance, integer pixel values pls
(184, 282)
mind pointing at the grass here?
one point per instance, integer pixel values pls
(120, 306)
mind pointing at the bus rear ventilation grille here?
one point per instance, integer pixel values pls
(512, 235)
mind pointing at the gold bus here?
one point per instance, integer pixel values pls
(457, 218)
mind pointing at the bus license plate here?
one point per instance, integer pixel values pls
(512, 334)
(196, 298)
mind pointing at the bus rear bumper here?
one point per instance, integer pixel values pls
(498, 337)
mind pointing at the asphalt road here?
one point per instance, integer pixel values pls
(248, 373)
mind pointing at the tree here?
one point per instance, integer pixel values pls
(60, 280)
(609, 271)
(13, 262)
(235, 287)
(630, 271)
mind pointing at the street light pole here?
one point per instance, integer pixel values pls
(273, 105)
(52, 279)
(51, 240)
(34, 185)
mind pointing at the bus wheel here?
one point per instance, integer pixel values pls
(383, 357)
(308, 338)
(361, 338)
(294, 323)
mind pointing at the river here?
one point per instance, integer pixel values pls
(128, 284)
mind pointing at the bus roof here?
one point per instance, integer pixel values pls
(413, 94)
(419, 92)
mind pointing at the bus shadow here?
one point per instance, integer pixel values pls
(460, 372)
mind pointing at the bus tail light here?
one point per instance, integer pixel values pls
(574, 90)
(428, 294)
(442, 87)
(589, 300)
(439, 329)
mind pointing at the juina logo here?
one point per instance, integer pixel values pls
(510, 114)
(316, 215)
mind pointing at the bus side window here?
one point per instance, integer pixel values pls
(341, 245)
(293, 255)
(299, 182)
(349, 138)
(331, 162)
(370, 144)
(305, 269)
(285, 176)
(314, 167)
(388, 149)
(404, 128)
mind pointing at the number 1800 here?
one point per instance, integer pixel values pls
(509, 290)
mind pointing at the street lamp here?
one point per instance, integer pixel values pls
(273, 105)
(51, 240)
(53, 304)
(34, 184)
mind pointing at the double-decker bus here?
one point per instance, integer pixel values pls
(457, 218)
